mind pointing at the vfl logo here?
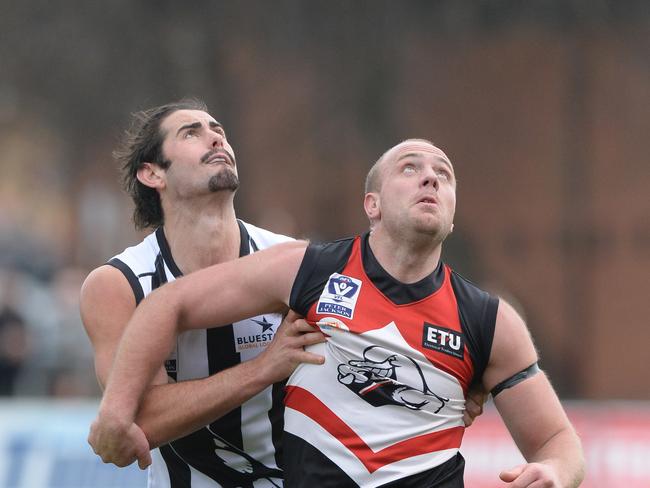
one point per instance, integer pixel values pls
(378, 381)
(339, 296)
(443, 340)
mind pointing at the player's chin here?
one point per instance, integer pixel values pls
(224, 180)
(429, 225)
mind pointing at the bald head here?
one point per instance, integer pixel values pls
(374, 176)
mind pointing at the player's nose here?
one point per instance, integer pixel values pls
(216, 139)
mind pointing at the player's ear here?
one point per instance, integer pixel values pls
(151, 175)
(371, 205)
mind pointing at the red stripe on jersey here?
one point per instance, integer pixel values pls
(306, 403)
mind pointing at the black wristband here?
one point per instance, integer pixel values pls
(516, 378)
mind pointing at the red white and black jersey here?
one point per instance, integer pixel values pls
(242, 448)
(386, 408)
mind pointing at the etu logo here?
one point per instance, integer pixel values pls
(443, 340)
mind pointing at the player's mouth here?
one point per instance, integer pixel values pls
(428, 200)
(217, 157)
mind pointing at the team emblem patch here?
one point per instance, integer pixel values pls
(339, 296)
(385, 378)
(443, 340)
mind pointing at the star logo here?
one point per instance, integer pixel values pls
(266, 325)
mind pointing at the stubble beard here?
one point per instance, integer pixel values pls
(436, 231)
(223, 181)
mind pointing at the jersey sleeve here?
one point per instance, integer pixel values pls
(478, 313)
(318, 264)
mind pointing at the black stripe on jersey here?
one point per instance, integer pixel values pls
(131, 278)
(253, 245)
(477, 310)
(397, 292)
(276, 416)
(244, 238)
(222, 355)
(159, 276)
(179, 472)
(448, 475)
(319, 262)
(310, 468)
(166, 252)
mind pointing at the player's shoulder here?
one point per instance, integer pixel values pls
(467, 287)
(141, 257)
(105, 283)
(263, 238)
(118, 277)
(338, 246)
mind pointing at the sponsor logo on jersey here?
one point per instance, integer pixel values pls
(339, 296)
(248, 335)
(443, 340)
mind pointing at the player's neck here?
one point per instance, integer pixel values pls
(199, 238)
(405, 260)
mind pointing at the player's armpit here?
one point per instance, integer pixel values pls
(512, 347)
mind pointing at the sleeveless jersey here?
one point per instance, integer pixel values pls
(242, 448)
(386, 408)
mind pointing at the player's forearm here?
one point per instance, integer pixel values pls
(174, 410)
(147, 341)
(564, 452)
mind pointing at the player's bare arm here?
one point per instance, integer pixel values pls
(204, 400)
(211, 296)
(106, 304)
(531, 410)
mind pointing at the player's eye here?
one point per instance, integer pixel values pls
(441, 173)
(409, 169)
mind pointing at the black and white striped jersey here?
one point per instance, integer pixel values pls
(241, 449)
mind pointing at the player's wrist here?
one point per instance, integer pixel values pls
(116, 414)
(259, 372)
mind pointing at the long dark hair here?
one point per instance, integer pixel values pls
(142, 143)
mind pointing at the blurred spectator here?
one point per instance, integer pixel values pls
(13, 348)
(14, 332)
(43, 351)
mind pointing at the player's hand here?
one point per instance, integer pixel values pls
(119, 442)
(287, 350)
(532, 475)
(476, 398)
